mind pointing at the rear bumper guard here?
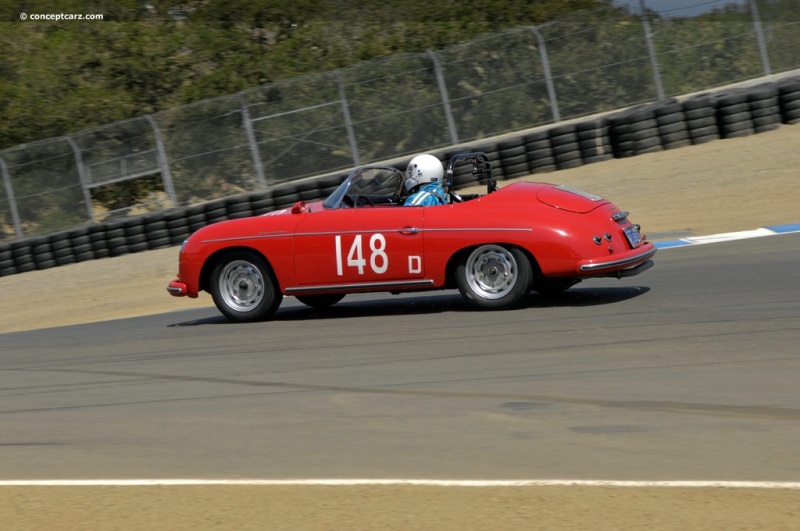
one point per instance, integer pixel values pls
(628, 266)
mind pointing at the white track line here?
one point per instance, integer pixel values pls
(406, 482)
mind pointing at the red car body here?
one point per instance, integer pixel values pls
(494, 248)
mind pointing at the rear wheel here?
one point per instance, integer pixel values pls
(244, 288)
(320, 301)
(493, 277)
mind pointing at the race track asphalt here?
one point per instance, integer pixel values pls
(685, 372)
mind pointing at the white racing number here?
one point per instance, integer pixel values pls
(378, 259)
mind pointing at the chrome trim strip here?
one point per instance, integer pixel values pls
(362, 285)
(481, 229)
(617, 263)
(403, 230)
(241, 238)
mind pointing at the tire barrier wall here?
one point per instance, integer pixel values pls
(655, 127)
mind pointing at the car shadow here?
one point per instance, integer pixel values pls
(581, 297)
(435, 304)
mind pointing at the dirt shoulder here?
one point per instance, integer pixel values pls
(387, 508)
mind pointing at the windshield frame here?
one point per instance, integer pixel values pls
(354, 181)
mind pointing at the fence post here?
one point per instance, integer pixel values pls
(648, 36)
(762, 46)
(348, 121)
(548, 75)
(87, 196)
(448, 111)
(166, 176)
(251, 139)
(12, 202)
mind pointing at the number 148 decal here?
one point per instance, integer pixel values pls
(378, 259)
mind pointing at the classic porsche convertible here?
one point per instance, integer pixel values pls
(494, 247)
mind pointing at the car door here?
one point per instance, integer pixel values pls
(360, 246)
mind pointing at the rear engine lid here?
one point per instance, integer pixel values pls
(570, 199)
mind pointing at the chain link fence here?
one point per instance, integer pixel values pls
(589, 62)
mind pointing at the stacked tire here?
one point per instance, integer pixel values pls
(672, 125)
(635, 132)
(135, 234)
(22, 256)
(262, 203)
(701, 118)
(539, 152)
(81, 244)
(8, 265)
(789, 100)
(178, 226)
(116, 238)
(156, 231)
(285, 195)
(98, 238)
(765, 107)
(238, 206)
(734, 117)
(216, 211)
(594, 140)
(513, 158)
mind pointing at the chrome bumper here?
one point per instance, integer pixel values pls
(623, 267)
(177, 289)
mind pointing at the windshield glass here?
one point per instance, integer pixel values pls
(377, 183)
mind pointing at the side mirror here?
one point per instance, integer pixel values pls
(299, 207)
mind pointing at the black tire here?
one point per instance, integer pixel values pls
(697, 123)
(512, 152)
(244, 288)
(494, 277)
(321, 301)
(513, 161)
(518, 170)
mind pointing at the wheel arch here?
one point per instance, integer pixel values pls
(461, 254)
(217, 256)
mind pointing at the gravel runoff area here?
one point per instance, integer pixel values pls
(723, 186)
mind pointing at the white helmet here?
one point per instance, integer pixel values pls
(423, 169)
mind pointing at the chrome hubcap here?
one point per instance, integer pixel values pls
(491, 271)
(241, 286)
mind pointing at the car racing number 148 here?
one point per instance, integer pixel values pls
(378, 259)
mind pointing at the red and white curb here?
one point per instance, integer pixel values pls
(731, 236)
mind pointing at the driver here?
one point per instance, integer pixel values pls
(424, 181)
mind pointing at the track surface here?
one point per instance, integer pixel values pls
(687, 372)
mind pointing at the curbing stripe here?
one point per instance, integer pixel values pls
(402, 482)
(771, 230)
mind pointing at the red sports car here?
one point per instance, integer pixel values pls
(494, 247)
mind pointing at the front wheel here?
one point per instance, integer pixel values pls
(244, 288)
(493, 277)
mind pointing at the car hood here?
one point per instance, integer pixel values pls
(569, 199)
